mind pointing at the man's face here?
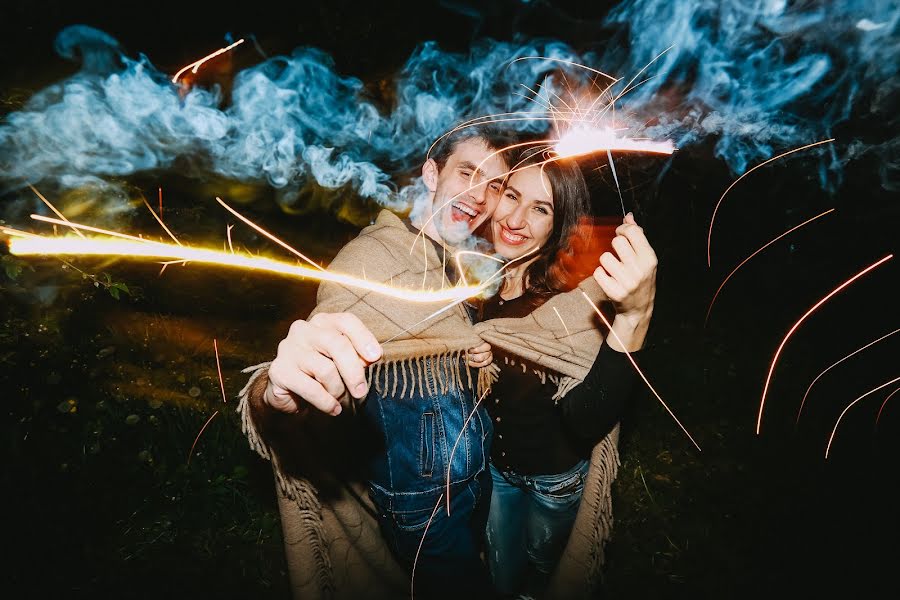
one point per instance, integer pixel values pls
(466, 190)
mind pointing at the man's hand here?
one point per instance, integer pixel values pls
(319, 361)
(629, 280)
(479, 356)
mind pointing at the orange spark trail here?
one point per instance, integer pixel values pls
(734, 183)
(196, 439)
(638, 369)
(219, 369)
(878, 416)
(194, 66)
(160, 203)
(831, 439)
(819, 376)
(159, 218)
(456, 443)
(412, 578)
(716, 295)
(53, 208)
(762, 402)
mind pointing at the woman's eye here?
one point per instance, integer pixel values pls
(511, 196)
(542, 210)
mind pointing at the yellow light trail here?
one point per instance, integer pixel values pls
(195, 66)
(579, 141)
(135, 248)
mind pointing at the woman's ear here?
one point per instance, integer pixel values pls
(430, 174)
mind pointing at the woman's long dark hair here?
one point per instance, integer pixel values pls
(571, 204)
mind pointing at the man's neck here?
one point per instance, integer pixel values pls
(425, 223)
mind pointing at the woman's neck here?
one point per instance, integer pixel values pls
(514, 281)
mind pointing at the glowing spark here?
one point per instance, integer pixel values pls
(147, 249)
(561, 321)
(412, 578)
(160, 203)
(194, 66)
(762, 401)
(638, 369)
(159, 218)
(580, 140)
(53, 208)
(612, 167)
(219, 369)
(819, 376)
(734, 183)
(456, 443)
(878, 416)
(716, 295)
(266, 233)
(196, 439)
(228, 234)
(831, 439)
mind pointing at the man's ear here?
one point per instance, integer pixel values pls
(430, 174)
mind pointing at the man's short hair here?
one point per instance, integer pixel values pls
(492, 136)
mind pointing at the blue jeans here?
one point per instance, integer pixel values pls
(427, 431)
(530, 519)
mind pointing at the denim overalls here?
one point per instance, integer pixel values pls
(408, 481)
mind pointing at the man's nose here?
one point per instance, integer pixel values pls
(478, 192)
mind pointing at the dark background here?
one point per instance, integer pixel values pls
(97, 502)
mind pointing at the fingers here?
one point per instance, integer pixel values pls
(612, 288)
(479, 356)
(349, 325)
(635, 235)
(340, 352)
(285, 380)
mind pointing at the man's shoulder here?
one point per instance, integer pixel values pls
(387, 238)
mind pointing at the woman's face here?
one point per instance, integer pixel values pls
(523, 220)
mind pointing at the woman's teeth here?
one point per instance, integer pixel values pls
(512, 238)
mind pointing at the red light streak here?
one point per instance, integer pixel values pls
(762, 401)
(872, 391)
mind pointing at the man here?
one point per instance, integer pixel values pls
(427, 436)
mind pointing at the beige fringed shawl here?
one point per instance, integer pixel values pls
(332, 542)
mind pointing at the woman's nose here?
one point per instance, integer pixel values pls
(516, 219)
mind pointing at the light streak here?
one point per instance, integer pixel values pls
(872, 391)
(196, 439)
(762, 401)
(716, 295)
(638, 369)
(819, 376)
(159, 218)
(412, 578)
(561, 321)
(734, 183)
(194, 66)
(53, 208)
(878, 416)
(612, 167)
(219, 369)
(22, 246)
(581, 140)
(456, 443)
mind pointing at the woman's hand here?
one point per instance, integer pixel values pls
(629, 279)
(479, 356)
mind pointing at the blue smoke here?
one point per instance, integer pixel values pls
(759, 76)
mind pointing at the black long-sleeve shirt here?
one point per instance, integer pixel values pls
(536, 435)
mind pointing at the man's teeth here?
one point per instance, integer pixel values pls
(465, 209)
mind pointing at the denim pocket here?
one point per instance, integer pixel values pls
(413, 520)
(426, 453)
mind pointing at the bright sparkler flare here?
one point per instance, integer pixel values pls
(588, 140)
(31, 245)
(195, 66)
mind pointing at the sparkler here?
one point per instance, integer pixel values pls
(195, 66)
(872, 391)
(762, 401)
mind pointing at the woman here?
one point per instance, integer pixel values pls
(538, 458)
